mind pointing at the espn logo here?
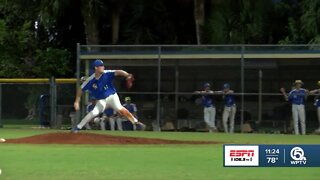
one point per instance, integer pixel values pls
(241, 155)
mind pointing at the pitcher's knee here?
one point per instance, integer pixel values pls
(95, 112)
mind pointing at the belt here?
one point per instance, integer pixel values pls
(297, 104)
(230, 105)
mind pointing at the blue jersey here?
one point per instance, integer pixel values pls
(108, 112)
(130, 107)
(229, 100)
(100, 88)
(297, 96)
(207, 101)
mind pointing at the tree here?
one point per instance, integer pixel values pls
(238, 22)
(150, 23)
(90, 10)
(303, 23)
(199, 17)
(116, 7)
(53, 10)
(310, 21)
(19, 46)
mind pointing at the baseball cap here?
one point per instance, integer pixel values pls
(98, 63)
(127, 98)
(226, 85)
(206, 85)
(298, 82)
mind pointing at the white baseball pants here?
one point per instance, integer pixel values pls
(298, 114)
(112, 121)
(111, 101)
(210, 117)
(229, 113)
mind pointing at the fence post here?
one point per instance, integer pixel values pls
(53, 102)
(260, 97)
(176, 100)
(77, 115)
(242, 88)
(159, 90)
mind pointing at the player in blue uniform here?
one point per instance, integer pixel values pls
(297, 97)
(132, 108)
(209, 110)
(317, 104)
(100, 86)
(229, 110)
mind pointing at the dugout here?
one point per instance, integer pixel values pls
(166, 76)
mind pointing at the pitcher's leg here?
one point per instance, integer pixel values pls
(101, 104)
(114, 102)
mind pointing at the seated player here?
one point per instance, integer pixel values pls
(111, 116)
(132, 108)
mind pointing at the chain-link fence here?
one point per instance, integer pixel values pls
(167, 77)
(40, 103)
(171, 73)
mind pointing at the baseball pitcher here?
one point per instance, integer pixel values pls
(100, 86)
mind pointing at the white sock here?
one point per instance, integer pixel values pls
(85, 120)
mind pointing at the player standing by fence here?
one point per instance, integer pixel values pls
(297, 97)
(317, 104)
(209, 110)
(229, 110)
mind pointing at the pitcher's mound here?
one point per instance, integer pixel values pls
(90, 138)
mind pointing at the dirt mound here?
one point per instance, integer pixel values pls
(90, 138)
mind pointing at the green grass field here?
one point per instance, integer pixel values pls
(19, 161)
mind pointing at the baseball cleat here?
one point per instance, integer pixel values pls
(141, 125)
(75, 130)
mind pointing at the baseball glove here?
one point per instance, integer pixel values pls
(129, 81)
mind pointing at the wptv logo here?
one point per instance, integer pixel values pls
(297, 156)
(241, 155)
